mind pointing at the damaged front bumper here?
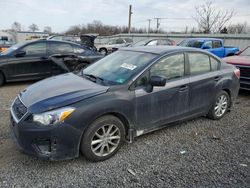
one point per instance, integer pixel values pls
(55, 142)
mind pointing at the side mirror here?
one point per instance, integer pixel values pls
(20, 54)
(157, 81)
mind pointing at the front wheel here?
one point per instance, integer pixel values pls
(103, 138)
(220, 106)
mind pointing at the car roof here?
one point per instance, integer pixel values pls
(160, 49)
(203, 39)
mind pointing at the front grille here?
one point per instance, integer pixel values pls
(244, 71)
(19, 109)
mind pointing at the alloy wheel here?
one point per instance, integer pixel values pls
(221, 105)
(105, 140)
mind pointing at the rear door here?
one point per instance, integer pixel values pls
(33, 65)
(58, 66)
(162, 104)
(204, 75)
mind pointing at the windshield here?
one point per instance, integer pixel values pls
(191, 43)
(13, 48)
(119, 67)
(246, 52)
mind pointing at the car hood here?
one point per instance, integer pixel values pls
(59, 91)
(238, 60)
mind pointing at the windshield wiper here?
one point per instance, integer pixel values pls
(93, 78)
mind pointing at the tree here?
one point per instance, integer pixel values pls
(238, 28)
(47, 29)
(16, 26)
(211, 19)
(33, 27)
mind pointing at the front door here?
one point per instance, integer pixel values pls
(33, 64)
(162, 104)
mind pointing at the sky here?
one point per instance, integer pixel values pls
(61, 14)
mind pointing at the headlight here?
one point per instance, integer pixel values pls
(53, 117)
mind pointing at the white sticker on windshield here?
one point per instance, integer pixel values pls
(128, 66)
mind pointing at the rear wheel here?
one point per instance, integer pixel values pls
(220, 106)
(103, 51)
(103, 138)
(1, 79)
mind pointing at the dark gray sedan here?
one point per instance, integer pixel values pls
(124, 95)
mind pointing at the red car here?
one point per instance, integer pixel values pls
(242, 62)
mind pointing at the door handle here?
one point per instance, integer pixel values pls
(183, 88)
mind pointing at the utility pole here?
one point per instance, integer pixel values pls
(157, 24)
(149, 20)
(129, 18)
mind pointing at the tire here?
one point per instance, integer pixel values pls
(220, 106)
(103, 51)
(2, 80)
(103, 138)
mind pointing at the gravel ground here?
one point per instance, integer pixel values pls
(197, 153)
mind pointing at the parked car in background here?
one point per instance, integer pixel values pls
(213, 45)
(152, 42)
(126, 94)
(30, 60)
(242, 62)
(114, 43)
(87, 40)
(4, 45)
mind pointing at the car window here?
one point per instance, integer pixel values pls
(217, 44)
(35, 48)
(143, 80)
(214, 64)
(199, 63)
(78, 49)
(119, 41)
(120, 66)
(208, 44)
(60, 48)
(163, 42)
(169, 67)
(152, 43)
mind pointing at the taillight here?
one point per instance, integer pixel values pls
(237, 73)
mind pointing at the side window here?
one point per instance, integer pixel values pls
(119, 41)
(77, 49)
(164, 42)
(214, 64)
(169, 67)
(143, 80)
(60, 48)
(199, 63)
(217, 44)
(208, 45)
(35, 49)
(152, 43)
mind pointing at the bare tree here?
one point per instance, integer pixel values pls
(238, 28)
(16, 26)
(33, 27)
(47, 29)
(211, 19)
